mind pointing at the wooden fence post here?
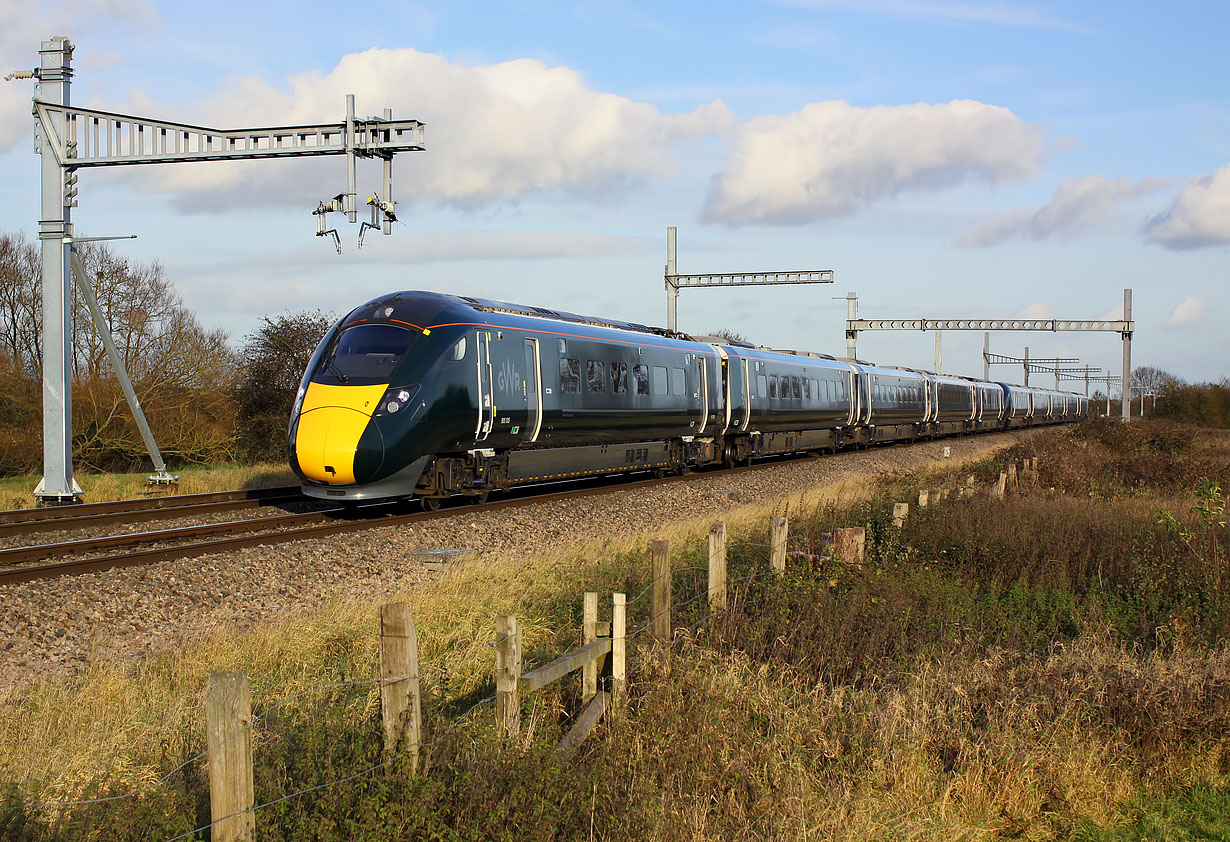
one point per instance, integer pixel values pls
(228, 728)
(780, 530)
(924, 498)
(850, 544)
(661, 572)
(1013, 483)
(400, 703)
(589, 633)
(619, 644)
(717, 566)
(507, 671)
(947, 451)
(900, 511)
(1000, 485)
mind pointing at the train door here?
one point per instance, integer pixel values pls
(747, 394)
(704, 393)
(486, 402)
(532, 385)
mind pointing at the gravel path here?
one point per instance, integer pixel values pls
(52, 628)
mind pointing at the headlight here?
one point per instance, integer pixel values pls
(395, 399)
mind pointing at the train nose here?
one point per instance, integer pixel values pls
(332, 422)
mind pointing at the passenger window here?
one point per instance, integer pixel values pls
(459, 350)
(815, 388)
(595, 375)
(806, 389)
(794, 388)
(569, 375)
(659, 380)
(762, 385)
(640, 373)
(678, 382)
(561, 345)
(619, 378)
(773, 385)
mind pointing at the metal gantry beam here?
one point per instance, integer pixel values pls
(1124, 327)
(69, 139)
(676, 282)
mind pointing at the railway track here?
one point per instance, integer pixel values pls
(21, 564)
(87, 515)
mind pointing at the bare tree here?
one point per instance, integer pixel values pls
(1147, 380)
(21, 314)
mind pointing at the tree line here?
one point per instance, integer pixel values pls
(206, 400)
(209, 401)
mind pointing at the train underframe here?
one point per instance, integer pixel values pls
(476, 473)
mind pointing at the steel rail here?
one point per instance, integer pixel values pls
(83, 511)
(334, 526)
(142, 515)
(31, 572)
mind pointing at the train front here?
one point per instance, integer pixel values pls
(375, 404)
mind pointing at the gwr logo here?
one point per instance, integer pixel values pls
(636, 454)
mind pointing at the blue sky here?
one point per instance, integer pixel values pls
(947, 158)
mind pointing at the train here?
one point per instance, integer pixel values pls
(428, 395)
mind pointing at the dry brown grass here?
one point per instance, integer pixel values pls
(17, 492)
(924, 695)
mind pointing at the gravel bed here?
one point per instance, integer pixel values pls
(81, 533)
(52, 628)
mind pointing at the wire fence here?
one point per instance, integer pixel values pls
(437, 676)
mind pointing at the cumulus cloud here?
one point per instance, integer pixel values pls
(830, 159)
(24, 26)
(1076, 207)
(494, 132)
(1036, 310)
(1190, 311)
(1198, 217)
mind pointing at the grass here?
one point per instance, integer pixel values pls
(17, 492)
(969, 680)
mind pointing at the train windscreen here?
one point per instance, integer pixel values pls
(364, 355)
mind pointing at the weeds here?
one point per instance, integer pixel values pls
(1051, 666)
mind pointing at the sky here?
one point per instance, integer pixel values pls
(945, 158)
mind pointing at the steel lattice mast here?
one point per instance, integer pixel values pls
(69, 139)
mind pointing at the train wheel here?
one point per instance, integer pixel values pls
(431, 504)
(729, 459)
(481, 498)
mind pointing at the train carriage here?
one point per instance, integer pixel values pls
(430, 395)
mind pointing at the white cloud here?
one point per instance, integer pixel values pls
(1190, 311)
(494, 132)
(1198, 217)
(1076, 207)
(1036, 310)
(23, 28)
(831, 158)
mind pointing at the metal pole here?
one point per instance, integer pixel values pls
(1056, 377)
(352, 212)
(672, 291)
(121, 374)
(1086, 379)
(387, 227)
(851, 315)
(1026, 363)
(939, 356)
(55, 225)
(1127, 358)
(986, 356)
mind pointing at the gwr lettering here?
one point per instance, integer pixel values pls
(636, 454)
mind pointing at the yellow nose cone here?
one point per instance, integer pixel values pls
(331, 421)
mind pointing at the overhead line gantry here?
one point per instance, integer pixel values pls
(70, 138)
